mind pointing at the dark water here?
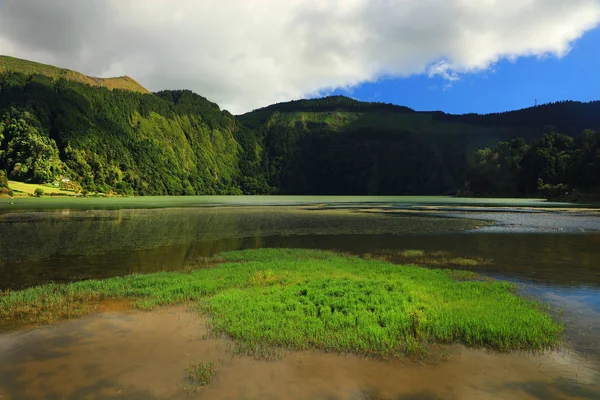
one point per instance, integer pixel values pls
(65, 245)
(554, 254)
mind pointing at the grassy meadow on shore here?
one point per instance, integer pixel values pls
(301, 299)
(22, 188)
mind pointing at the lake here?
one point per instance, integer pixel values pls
(551, 249)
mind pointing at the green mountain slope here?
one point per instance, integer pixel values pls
(340, 146)
(29, 68)
(337, 145)
(58, 125)
(115, 140)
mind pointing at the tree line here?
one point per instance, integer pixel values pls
(555, 165)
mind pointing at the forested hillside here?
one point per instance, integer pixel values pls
(554, 166)
(568, 117)
(338, 145)
(57, 127)
(172, 142)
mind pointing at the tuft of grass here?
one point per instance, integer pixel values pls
(201, 373)
(412, 253)
(300, 299)
(258, 350)
(436, 259)
(464, 262)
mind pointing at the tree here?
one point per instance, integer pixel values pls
(3, 179)
(28, 155)
(39, 192)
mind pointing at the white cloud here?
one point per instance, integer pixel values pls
(444, 70)
(245, 54)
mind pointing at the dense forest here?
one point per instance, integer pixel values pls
(172, 142)
(555, 165)
(112, 136)
(337, 145)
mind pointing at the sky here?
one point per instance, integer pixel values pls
(457, 56)
(508, 85)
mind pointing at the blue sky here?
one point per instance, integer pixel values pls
(510, 85)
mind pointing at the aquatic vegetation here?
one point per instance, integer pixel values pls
(431, 259)
(464, 262)
(300, 299)
(201, 373)
(462, 275)
(412, 253)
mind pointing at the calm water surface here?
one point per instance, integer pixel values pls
(552, 252)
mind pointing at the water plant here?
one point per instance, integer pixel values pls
(436, 259)
(412, 253)
(464, 262)
(201, 373)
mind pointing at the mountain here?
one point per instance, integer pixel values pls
(569, 117)
(29, 68)
(112, 135)
(337, 145)
(126, 141)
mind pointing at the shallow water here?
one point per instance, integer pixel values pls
(18, 204)
(552, 252)
(135, 355)
(39, 246)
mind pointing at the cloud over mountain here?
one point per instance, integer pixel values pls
(245, 54)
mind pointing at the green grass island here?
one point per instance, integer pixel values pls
(294, 299)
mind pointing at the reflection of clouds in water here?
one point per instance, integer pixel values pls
(559, 388)
(584, 300)
(529, 222)
(581, 306)
(582, 322)
(581, 371)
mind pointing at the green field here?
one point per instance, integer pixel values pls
(30, 188)
(302, 299)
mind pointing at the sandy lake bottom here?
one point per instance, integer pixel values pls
(121, 354)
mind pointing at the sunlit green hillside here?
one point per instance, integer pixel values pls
(57, 123)
(11, 64)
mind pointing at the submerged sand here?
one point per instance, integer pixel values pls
(124, 354)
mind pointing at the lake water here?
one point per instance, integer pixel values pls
(552, 249)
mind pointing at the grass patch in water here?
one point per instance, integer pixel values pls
(436, 259)
(412, 253)
(464, 262)
(301, 299)
(201, 373)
